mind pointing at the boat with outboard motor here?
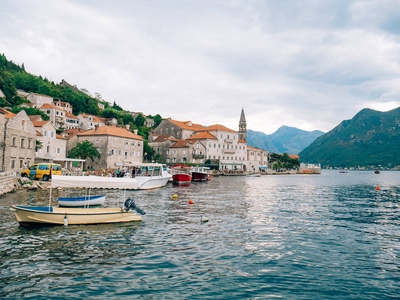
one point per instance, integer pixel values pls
(36, 215)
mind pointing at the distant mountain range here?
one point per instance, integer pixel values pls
(286, 139)
(370, 139)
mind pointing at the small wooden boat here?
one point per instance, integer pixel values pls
(377, 172)
(82, 201)
(253, 175)
(36, 215)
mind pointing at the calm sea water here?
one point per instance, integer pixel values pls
(329, 236)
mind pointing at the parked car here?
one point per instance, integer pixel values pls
(42, 171)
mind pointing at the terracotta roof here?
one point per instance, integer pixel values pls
(219, 127)
(181, 144)
(35, 118)
(73, 131)
(70, 116)
(47, 105)
(241, 141)
(60, 137)
(95, 118)
(205, 135)
(294, 156)
(114, 131)
(188, 125)
(162, 138)
(254, 148)
(9, 114)
(39, 123)
(38, 133)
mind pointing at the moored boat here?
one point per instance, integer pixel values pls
(82, 201)
(36, 215)
(181, 174)
(200, 174)
(150, 175)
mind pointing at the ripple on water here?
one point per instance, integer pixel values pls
(301, 237)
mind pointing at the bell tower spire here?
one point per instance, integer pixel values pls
(242, 127)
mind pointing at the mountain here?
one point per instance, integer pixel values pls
(370, 139)
(286, 139)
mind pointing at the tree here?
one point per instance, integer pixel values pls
(84, 150)
(38, 145)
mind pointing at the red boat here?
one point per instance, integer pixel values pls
(181, 174)
(199, 174)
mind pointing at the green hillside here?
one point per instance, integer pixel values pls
(371, 139)
(13, 77)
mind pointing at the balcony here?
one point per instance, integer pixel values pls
(228, 151)
(229, 141)
(198, 156)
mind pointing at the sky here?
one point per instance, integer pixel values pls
(308, 64)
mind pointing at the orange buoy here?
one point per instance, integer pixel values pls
(378, 188)
(190, 202)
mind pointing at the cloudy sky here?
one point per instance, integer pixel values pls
(308, 64)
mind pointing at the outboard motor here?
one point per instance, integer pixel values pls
(130, 204)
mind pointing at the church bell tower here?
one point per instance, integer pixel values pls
(242, 127)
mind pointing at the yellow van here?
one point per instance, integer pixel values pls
(42, 171)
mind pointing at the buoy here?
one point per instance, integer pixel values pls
(175, 197)
(190, 202)
(65, 220)
(204, 219)
(378, 188)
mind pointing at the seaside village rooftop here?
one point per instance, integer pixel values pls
(30, 139)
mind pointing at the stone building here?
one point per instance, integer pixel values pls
(256, 158)
(19, 141)
(53, 145)
(88, 122)
(116, 145)
(56, 114)
(179, 130)
(38, 99)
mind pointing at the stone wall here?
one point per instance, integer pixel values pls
(8, 182)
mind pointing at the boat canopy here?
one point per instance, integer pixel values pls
(140, 164)
(93, 182)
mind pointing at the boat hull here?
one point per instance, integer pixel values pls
(76, 216)
(148, 183)
(82, 201)
(198, 176)
(181, 179)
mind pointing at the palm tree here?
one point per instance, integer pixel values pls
(84, 150)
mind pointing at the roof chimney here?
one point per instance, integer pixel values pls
(127, 126)
(135, 131)
(96, 128)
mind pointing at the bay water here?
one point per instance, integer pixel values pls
(328, 236)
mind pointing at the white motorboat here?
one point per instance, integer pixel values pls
(81, 201)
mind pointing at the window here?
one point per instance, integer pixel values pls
(48, 112)
(133, 144)
(184, 151)
(20, 163)
(14, 141)
(48, 149)
(197, 146)
(58, 150)
(44, 133)
(12, 164)
(22, 143)
(119, 152)
(133, 153)
(126, 154)
(138, 154)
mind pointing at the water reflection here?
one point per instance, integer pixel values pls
(315, 237)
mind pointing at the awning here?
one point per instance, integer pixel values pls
(93, 182)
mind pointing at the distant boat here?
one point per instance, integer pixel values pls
(377, 172)
(200, 174)
(181, 174)
(82, 201)
(343, 172)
